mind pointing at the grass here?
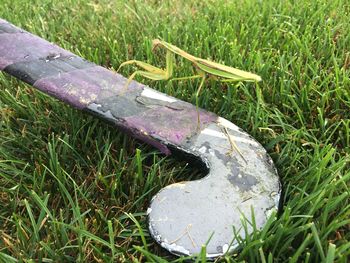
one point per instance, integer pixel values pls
(74, 189)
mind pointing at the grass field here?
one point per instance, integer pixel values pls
(74, 189)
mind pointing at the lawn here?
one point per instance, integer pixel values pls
(75, 189)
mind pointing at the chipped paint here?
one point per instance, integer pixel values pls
(203, 149)
(176, 249)
(96, 108)
(176, 185)
(162, 219)
(225, 248)
(245, 183)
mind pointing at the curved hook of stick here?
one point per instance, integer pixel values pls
(241, 181)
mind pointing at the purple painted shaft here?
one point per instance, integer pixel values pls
(87, 86)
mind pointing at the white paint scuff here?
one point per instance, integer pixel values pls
(228, 124)
(214, 133)
(150, 93)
